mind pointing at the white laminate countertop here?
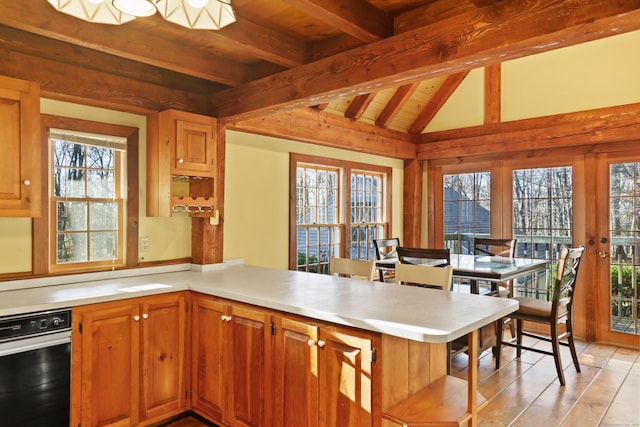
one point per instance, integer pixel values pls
(420, 314)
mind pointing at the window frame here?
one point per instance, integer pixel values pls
(344, 207)
(41, 238)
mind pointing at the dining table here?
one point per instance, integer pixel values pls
(476, 268)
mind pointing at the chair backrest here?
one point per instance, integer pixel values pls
(432, 257)
(357, 268)
(424, 275)
(386, 248)
(495, 247)
(565, 284)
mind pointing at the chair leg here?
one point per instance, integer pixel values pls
(511, 328)
(518, 338)
(497, 349)
(555, 344)
(449, 351)
(572, 346)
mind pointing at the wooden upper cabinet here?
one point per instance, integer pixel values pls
(194, 147)
(20, 162)
(181, 164)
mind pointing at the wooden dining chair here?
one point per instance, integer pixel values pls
(429, 256)
(503, 248)
(425, 276)
(385, 249)
(554, 313)
(431, 277)
(356, 268)
(497, 247)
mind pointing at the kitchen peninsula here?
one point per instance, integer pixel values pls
(404, 331)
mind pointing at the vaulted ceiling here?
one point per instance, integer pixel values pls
(387, 65)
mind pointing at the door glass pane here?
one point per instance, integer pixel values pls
(467, 210)
(542, 221)
(624, 235)
(542, 211)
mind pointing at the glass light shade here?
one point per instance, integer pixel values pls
(135, 7)
(98, 11)
(214, 15)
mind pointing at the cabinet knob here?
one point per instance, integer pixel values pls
(180, 160)
(311, 342)
(145, 316)
(136, 318)
(27, 182)
(321, 343)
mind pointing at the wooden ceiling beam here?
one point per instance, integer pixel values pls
(315, 127)
(493, 93)
(436, 102)
(395, 104)
(35, 46)
(65, 82)
(359, 105)
(357, 18)
(263, 43)
(437, 10)
(38, 17)
(454, 45)
(612, 124)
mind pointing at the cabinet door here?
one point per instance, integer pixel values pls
(346, 378)
(194, 147)
(209, 355)
(250, 372)
(20, 162)
(163, 321)
(110, 365)
(296, 373)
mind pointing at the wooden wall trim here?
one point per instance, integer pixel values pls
(316, 127)
(40, 234)
(411, 198)
(583, 128)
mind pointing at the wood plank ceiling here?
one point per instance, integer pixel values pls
(384, 66)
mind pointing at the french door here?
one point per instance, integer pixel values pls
(617, 246)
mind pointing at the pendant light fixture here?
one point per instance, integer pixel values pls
(135, 7)
(194, 14)
(98, 11)
(197, 14)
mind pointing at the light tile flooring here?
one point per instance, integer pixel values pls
(526, 392)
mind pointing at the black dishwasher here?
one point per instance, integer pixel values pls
(35, 369)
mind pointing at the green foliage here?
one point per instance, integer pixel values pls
(312, 266)
(623, 288)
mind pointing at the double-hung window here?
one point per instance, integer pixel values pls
(338, 209)
(87, 200)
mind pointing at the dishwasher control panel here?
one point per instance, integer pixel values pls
(44, 322)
